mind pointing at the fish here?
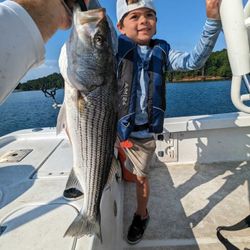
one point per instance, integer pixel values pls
(89, 112)
(95, 4)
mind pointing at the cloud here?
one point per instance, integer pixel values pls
(47, 68)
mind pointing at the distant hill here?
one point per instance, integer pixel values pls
(50, 81)
(217, 67)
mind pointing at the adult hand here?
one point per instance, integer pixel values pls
(213, 9)
(49, 15)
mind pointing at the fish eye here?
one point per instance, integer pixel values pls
(99, 40)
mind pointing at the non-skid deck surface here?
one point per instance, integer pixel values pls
(187, 204)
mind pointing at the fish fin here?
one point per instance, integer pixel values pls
(73, 181)
(61, 120)
(81, 101)
(82, 225)
(113, 173)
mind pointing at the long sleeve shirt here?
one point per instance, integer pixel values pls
(184, 61)
(21, 46)
(176, 61)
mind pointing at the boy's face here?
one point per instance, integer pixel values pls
(139, 25)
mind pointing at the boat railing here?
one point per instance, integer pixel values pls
(235, 19)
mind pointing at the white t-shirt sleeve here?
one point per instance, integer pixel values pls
(21, 46)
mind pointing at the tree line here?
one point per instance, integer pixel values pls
(217, 67)
(54, 80)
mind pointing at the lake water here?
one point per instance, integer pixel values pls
(33, 110)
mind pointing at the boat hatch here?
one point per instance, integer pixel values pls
(38, 226)
(14, 155)
(56, 165)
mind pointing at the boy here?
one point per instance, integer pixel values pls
(142, 63)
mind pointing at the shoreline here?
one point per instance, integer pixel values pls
(183, 80)
(201, 79)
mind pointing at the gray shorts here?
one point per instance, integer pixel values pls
(140, 156)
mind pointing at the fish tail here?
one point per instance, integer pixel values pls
(84, 226)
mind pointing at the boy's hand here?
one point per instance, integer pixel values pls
(212, 7)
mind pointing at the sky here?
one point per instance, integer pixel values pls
(180, 23)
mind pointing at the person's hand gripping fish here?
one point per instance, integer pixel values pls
(27, 25)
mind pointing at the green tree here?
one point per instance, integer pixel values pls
(217, 65)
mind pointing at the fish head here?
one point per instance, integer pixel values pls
(89, 52)
(92, 31)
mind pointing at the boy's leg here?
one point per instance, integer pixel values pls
(142, 191)
(141, 216)
(140, 156)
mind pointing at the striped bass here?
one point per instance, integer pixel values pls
(89, 112)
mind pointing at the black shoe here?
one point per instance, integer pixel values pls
(136, 229)
(72, 194)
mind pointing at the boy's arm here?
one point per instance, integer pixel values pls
(184, 61)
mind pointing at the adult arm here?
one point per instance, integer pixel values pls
(21, 47)
(25, 25)
(48, 15)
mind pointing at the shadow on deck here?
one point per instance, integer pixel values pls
(188, 202)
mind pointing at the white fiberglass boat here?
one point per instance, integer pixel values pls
(199, 178)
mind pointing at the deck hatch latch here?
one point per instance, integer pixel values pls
(167, 147)
(14, 155)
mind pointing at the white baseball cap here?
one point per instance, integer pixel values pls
(123, 8)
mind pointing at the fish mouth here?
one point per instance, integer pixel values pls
(89, 16)
(95, 10)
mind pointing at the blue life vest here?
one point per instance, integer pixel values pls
(127, 73)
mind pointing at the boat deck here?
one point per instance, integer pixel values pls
(187, 202)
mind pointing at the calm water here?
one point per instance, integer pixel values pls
(32, 110)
